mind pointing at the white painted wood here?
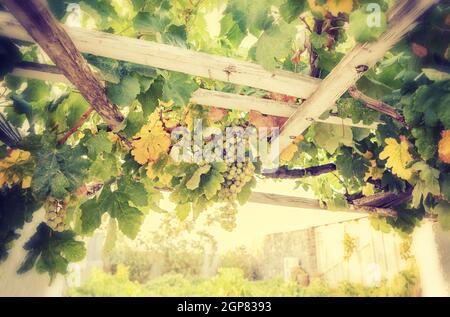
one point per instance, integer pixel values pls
(202, 97)
(266, 106)
(175, 59)
(402, 19)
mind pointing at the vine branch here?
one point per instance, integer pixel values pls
(76, 126)
(376, 104)
(285, 173)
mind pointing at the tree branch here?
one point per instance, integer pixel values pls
(376, 104)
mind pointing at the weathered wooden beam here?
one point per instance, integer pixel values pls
(310, 203)
(201, 96)
(402, 18)
(40, 72)
(175, 59)
(45, 30)
(266, 106)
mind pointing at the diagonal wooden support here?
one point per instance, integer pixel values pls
(402, 18)
(37, 20)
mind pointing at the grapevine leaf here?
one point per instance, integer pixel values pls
(72, 250)
(443, 211)
(212, 183)
(330, 136)
(425, 142)
(194, 181)
(178, 87)
(351, 165)
(36, 90)
(149, 99)
(427, 182)
(98, 143)
(147, 22)
(134, 122)
(91, 216)
(104, 167)
(125, 92)
(291, 9)
(444, 181)
(59, 172)
(183, 211)
(363, 29)
(51, 251)
(435, 75)
(231, 30)
(129, 219)
(274, 44)
(246, 192)
(398, 157)
(151, 141)
(135, 190)
(175, 35)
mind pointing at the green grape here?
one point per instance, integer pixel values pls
(55, 213)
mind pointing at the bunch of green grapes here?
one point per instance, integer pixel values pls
(237, 175)
(55, 213)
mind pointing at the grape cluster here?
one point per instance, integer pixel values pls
(236, 176)
(55, 212)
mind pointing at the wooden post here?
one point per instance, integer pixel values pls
(53, 39)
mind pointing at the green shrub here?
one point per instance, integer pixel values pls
(232, 282)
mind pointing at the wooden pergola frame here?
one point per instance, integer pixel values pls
(31, 21)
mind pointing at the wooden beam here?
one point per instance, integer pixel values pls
(310, 203)
(266, 106)
(201, 96)
(45, 30)
(175, 59)
(40, 72)
(402, 18)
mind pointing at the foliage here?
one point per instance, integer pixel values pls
(241, 259)
(94, 173)
(168, 250)
(231, 282)
(51, 251)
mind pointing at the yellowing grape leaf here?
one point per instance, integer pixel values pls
(374, 171)
(316, 7)
(368, 189)
(167, 104)
(26, 182)
(444, 147)
(261, 121)
(398, 157)
(337, 6)
(15, 166)
(289, 152)
(216, 114)
(151, 141)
